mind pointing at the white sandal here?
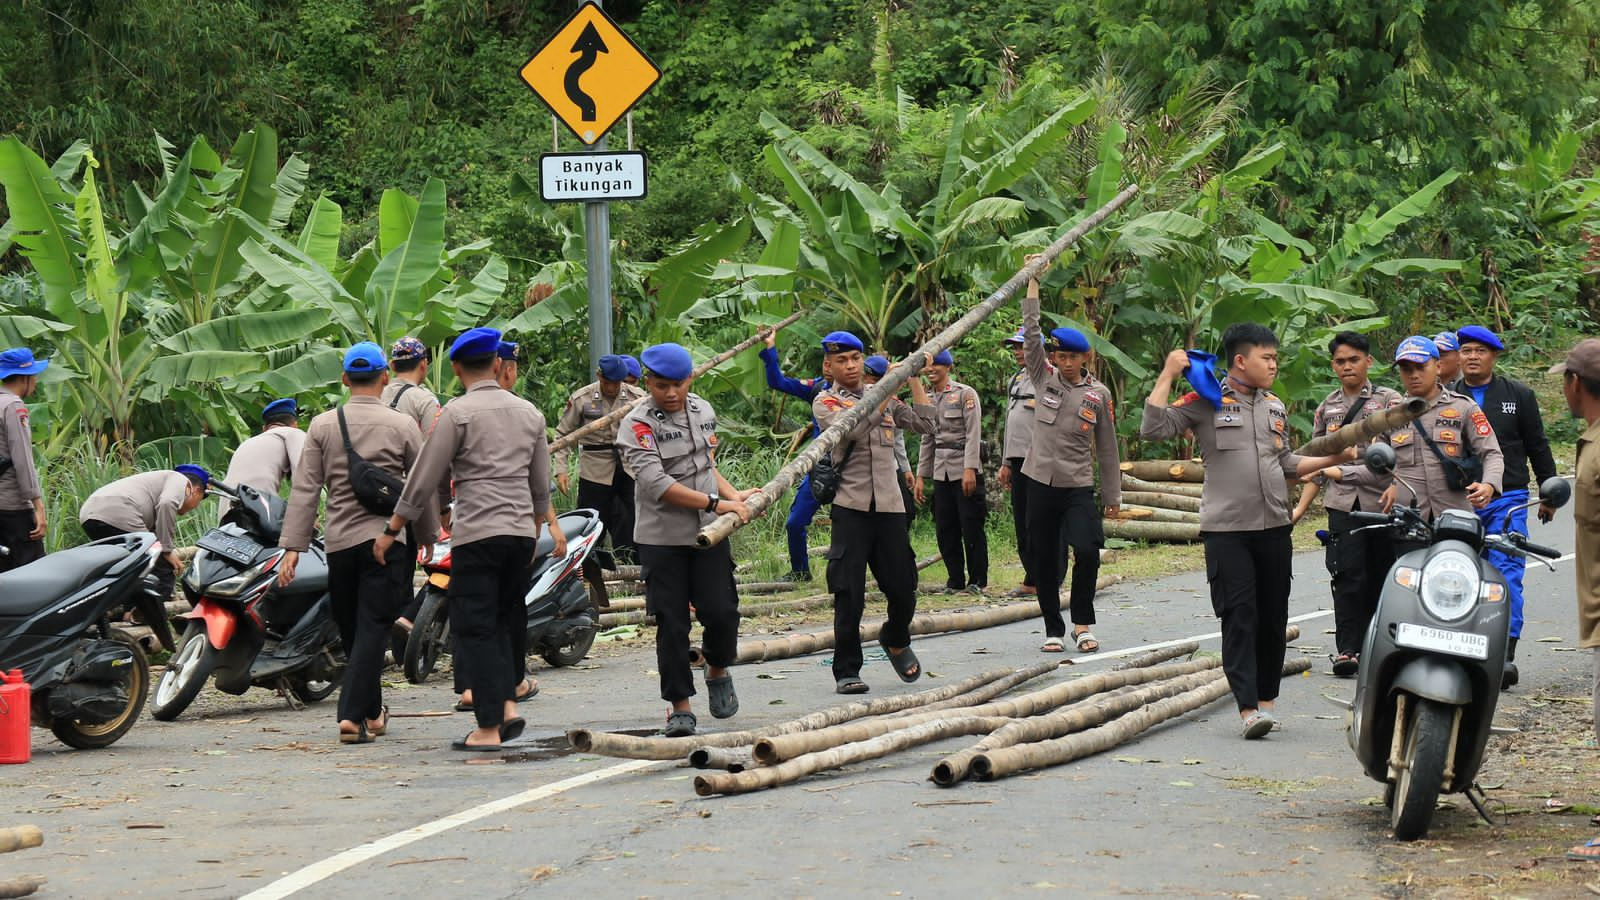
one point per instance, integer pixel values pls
(1053, 645)
(1084, 637)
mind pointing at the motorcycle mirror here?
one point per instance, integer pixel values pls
(1380, 457)
(1555, 492)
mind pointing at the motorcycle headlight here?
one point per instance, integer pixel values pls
(1450, 585)
(231, 587)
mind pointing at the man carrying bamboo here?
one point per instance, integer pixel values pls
(952, 459)
(1018, 434)
(804, 506)
(604, 484)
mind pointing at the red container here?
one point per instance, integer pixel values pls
(15, 719)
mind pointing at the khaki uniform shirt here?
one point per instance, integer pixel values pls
(869, 481)
(417, 402)
(148, 501)
(597, 456)
(384, 437)
(264, 461)
(958, 438)
(1454, 422)
(664, 449)
(19, 486)
(1020, 402)
(494, 445)
(1072, 424)
(1586, 512)
(1329, 418)
(1245, 444)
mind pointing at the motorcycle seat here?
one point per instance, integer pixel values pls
(30, 588)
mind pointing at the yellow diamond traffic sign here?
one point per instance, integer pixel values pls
(590, 74)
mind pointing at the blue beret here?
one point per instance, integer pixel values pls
(1481, 335)
(1202, 375)
(284, 407)
(1017, 338)
(195, 472)
(476, 342)
(364, 357)
(669, 361)
(20, 361)
(506, 350)
(633, 366)
(613, 368)
(1446, 341)
(1070, 339)
(877, 365)
(944, 358)
(1417, 349)
(839, 342)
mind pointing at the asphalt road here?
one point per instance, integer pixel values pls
(256, 799)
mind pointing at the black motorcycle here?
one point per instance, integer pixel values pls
(89, 682)
(244, 629)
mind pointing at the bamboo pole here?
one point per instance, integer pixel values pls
(563, 444)
(1164, 501)
(22, 886)
(1155, 657)
(890, 384)
(20, 837)
(1165, 469)
(989, 691)
(1152, 531)
(728, 759)
(1158, 514)
(1130, 483)
(1365, 429)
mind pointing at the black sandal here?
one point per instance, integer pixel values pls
(850, 684)
(474, 748)
(512, 728)
(724, 702)
(680, 724)
(905, 664)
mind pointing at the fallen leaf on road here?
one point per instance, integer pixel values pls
(542, 872)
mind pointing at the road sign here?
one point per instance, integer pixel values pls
(592, 176)
(590, 74)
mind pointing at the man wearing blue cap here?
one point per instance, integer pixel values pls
(1449, 356)
(1014, 441)
(509, 368)
(953, 460)
(604, 484)
(22, 518)
(1243, 433)
(1513, 414)
(803, 508)
(635, 371)
(494, 447)
(368, 594)
(670, 440)
(149, 501)
(268, 459)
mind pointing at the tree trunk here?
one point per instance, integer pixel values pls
(1162, 500)
(1158, 514)
(1152, 531)
(1130, 483)
(1165, 469)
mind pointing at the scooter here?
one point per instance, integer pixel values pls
(1434, 654)
(89, 682)
(562, 616)
(244, 628)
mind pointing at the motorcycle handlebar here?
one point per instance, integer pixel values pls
(1370, 518)
(1539, 549)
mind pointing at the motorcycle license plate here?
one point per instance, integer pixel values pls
(232, 547)
(1455, 643)
(439, 580)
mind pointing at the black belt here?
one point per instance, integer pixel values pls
(597, 447)
(960, 446)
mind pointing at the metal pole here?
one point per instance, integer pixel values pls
(597, 240)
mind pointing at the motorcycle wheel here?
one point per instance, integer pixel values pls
(92, 737)
(1417, 791)
(430, 637)
(187, 672)
(308, 691)
(573, 652)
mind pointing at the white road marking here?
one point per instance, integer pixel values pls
(1162, 645)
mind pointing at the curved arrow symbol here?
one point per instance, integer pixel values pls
(589, 46)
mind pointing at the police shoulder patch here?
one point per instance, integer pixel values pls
(1480, 423)
(643, 434)
(1186, 399)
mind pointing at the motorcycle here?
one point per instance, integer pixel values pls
(1434, 654)
(244, 629)
(563, 618)
(89, 681)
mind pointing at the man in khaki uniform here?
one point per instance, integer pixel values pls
(149, 501)
(869, 522)
(1358, 561)
(604, 483)
(952, 459)
(1580, 383)
(408, 392)
(1014, 441)
(22, 518)
(266, 460)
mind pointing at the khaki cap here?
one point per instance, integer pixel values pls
(1582, 360)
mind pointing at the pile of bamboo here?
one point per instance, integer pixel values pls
(1160, 501)
(1044, 726)
(20, 837)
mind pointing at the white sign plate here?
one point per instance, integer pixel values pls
(616, 175)
(1455, 643)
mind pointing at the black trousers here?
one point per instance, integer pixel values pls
(909, 499)
(1249, 572)
(1019, 517)
(677, 578)
(878, 541)
(15, 525)
(488, 584)
(614, 502)
(166, 577)
(958, 526)
(1358, 564)
(1057, 516)
(367, 598)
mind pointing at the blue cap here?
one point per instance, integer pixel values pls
(943, 358)
(1070, 340)
(1481, 335)
(476, 342)
(613, 367)
(1446, 342)
(20, 361)
(839, 342)
(507, 350)
(669, 361)
(634, 370)
(1017, 338)
(284, 407)
(1202, 375)
(194, 471)
(365, 357)
(877, 365)
(1417, 349)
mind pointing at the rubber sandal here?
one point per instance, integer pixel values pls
(1256, 726)
(533, 691)
(904, 662)
(1586, 852)
(724, 702)
(1345, 665)
(850, 684)
(680, 724)
(462, 745)
(463, 706)
(1086, 637)
(512, 728)
(363, 736)
(1053, 645)
(1277, 723)
(1022, 591)
(382, 728)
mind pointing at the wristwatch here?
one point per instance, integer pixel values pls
(390, 532)
(712, 500)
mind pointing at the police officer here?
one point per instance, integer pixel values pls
(604, 484)
(952, 460)
(1074, 423)
(873, 368)
(670, 440)
(22, 517)
(268, 459)
(1014, 442)
(1513, 413)
(367, 594)
(869, 522)
(1358, 561)
(493, 445)
(803, 508)
(408, 391)
(149, 501)
(509, 370)
(1449, 348)
(1242, 429)
(635, 371)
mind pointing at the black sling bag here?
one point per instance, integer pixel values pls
(1458, 473)
(375, 489)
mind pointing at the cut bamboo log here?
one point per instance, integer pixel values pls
(1162, 500)
(20, 837)
(1152, 531)
(1156, 657)
(23, 886)
(1165, 469)
(1363, 430)
(1158, 514)
(1130, 483)
(728, 759)
(989, 691)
